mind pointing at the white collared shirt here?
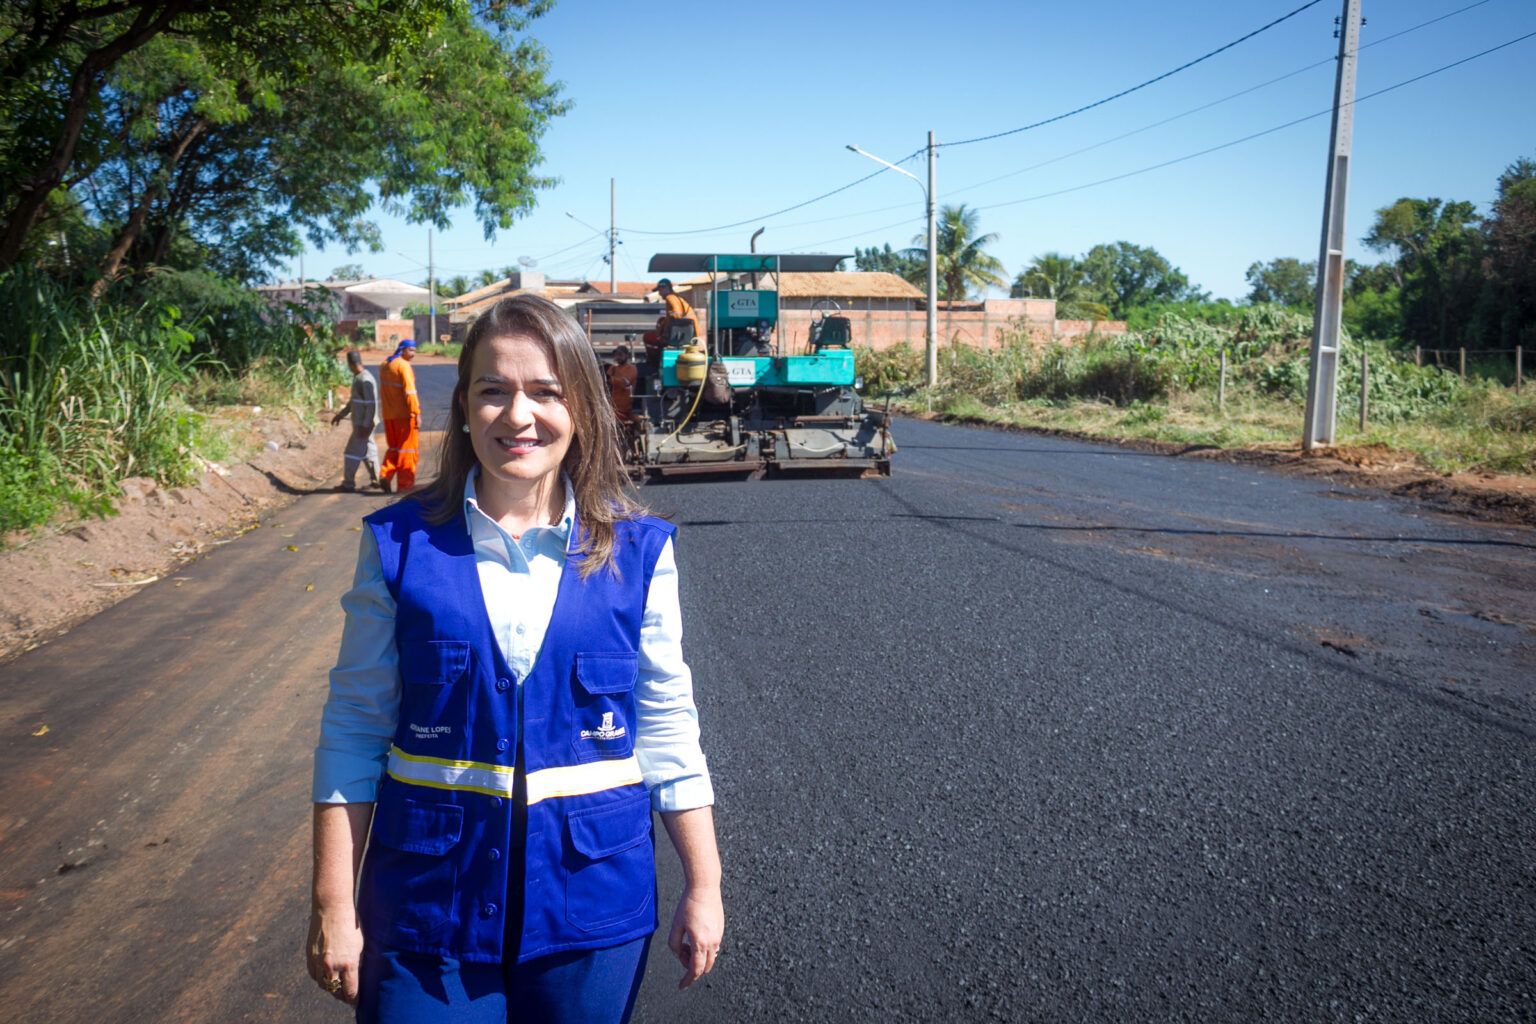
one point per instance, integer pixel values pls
(519, 578)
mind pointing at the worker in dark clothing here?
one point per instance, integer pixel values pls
(363, 407)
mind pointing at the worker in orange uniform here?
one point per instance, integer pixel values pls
(622, 378)
(678, 312)
(677, 306)
(401, 410)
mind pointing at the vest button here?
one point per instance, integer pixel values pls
(489, 910)
(501, 685)
(503, 744)
(495, 854)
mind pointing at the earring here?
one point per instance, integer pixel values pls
(464, 427)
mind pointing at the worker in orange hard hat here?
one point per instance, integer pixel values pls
(401, 411)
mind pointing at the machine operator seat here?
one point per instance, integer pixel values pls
(834, 332)
(678, 332)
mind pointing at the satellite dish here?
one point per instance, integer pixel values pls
(527, 261)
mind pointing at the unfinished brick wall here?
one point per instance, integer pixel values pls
(981, 329)
(388, 333)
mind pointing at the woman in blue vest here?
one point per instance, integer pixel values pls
(509, 705)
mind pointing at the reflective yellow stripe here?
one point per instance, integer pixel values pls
(497, 780)
(440, 773)
(580, 779)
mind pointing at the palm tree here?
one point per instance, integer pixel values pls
(963, 264)
(1055, 275)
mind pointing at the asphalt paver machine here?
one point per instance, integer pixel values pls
(737, 401)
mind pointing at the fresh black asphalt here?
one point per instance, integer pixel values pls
(1043, 731)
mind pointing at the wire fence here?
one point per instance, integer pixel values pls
(1446, 358)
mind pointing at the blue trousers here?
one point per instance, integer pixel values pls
(592, 986)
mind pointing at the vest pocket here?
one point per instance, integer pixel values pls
(433, 662)
(612, 876)
(605, 704)
(430, 705)
(413, 873)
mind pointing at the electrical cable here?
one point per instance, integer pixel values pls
(584, 241)
(1076, 152)
(787, 209)
(1205, 106)
(1259, 134)
(1134, 88)
(1211, 149)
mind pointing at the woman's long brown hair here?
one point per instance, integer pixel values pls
(593, 462)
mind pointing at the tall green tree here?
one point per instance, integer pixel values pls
(909, 268)
(1437, 248)
(56, 57)
(1055, 275)
(1511, 258)
(1284, 280)
(224, 157)
(963, 264)
(1133, 276)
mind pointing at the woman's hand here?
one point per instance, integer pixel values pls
(334, 951)
(697, 928)
(335, 944)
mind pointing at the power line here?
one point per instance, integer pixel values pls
(1206, 106)
(584, 241)
(775, 213)
(1135, 88)
(1260, 134)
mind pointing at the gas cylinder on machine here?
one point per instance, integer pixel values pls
(692, 364)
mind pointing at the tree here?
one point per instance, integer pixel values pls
(1132, 276)
(347, 272)
(267, 159)
(1438, 250)
(1055, 275)
(58, 56)
(909, 268)
(1285, 280)
(963, 263)
(455, 286)
(1511, 257)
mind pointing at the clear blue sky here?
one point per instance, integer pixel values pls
(708, 114)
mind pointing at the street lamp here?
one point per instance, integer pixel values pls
(933, 265)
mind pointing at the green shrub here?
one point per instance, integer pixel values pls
(895, 369)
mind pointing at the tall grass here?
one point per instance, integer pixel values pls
(1161, 382)
(93, 393)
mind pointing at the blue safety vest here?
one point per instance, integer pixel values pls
(435, 876)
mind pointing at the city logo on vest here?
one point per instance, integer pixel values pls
(606, 731)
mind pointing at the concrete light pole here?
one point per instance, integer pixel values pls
(1323, 369)
(932, 351)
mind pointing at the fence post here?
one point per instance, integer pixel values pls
(1418, 355)
(1365, 388)
(1519, 366)
(1221, 383)
(1463, 356)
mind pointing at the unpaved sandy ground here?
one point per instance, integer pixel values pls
(64, 575)
(60, 578)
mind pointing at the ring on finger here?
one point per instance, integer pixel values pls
(332, 985)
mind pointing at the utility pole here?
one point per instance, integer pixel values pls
(933, 278)
(301, 269)
(613, 234)
(431, 293)
(1323, 375)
